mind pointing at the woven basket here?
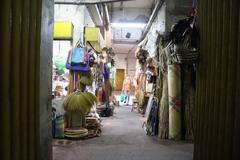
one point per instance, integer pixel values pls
(184, 53)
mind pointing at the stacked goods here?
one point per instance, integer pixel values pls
(77, 104)
(75, 119)
(79, 101)
(94, 127)
(76, 132)
(105, 111)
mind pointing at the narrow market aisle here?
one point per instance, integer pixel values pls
(123, 139)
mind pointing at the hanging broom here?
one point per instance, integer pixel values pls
(79, 101)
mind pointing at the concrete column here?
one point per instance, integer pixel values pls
(46, 44)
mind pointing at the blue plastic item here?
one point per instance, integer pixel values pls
(80, 67)
(78, 55)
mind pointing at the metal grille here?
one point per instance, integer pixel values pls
(217, 129)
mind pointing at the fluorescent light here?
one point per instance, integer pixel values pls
(128, 25)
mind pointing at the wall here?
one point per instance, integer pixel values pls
(217, 132)
(120, 61)
(176, 10)
(25, 99)
(133, 15)
(127, 62)
(45, 79)
(159, 23)
(87, 18)
(73, 13)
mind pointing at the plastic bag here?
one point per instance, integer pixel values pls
(122, 97)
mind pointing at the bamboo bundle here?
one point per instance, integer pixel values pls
(164, 111)
(188, 99)
(174, 90)
(163, 95)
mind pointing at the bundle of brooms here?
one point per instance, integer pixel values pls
(79, 101)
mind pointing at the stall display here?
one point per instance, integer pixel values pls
(79, 101)
(104, 83)
(173, 87)
(90, 83)
(94, 127)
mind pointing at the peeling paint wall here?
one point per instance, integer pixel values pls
(176, 10)
(159, 23)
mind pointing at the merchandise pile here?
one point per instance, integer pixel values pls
(81, 101)
(94, 127)
(166, 80)
(105, 111)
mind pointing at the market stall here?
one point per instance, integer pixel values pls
(166, 73)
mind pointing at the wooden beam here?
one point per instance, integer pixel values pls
(88, 2)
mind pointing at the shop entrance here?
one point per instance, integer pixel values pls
(94, 59)
(32, 116)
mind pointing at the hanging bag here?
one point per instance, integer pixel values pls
(77, 57)
(78, 66)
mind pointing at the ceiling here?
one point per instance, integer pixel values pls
(136, 11)
(126, 11)
(135, 4)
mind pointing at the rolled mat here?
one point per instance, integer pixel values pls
(164, 111)
(174, 90)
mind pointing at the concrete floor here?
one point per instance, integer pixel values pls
(123, 139)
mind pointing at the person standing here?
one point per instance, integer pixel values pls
(127, 85)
